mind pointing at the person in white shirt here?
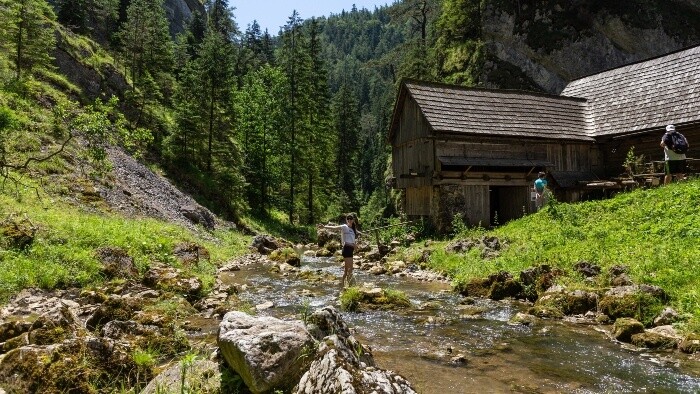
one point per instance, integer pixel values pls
(348, 236)
(674, 162)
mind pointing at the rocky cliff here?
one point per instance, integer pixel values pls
(179, 12)
(543, 45)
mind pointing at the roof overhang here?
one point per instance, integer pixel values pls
(490, 162)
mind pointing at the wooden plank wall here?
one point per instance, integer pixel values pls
(418, 201)
(569, 157)
(477, 205)
(615, 151)
(412, 151)
(563, 156)
(485, 149)
(471, 201)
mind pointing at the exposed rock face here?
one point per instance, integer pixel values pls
(103, 83)
(342, 364)
(266, 352)
(543, 46)
(179, 12)
(138, 191)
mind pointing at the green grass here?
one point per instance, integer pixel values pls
(654, 232)
(350, 299)
(63, 251)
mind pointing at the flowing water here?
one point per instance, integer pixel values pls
(441, 349)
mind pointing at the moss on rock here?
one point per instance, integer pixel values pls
(624, 328)
(641, 306)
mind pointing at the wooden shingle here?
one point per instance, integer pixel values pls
(496, 113)
(643, 96)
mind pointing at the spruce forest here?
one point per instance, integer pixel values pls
(249, 121)
(164, 170)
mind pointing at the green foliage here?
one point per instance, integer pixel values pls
(305, 310)
(653, 232)
(144, 358)
(633, 164)
(396, 297)
(101, 124)
(350, 299)
(145, 41)
(27, 32)
(259, 108)
(394, 229)
(82, 16)
(459, 47)
(63, 250)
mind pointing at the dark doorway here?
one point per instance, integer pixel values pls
(507, 203)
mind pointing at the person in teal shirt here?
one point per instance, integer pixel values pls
(539, 188)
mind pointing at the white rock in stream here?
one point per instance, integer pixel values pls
(265, 305)
(263, 350)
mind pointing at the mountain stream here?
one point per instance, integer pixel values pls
(440, 348)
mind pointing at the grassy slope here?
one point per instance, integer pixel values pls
(654, 232)
(63, 251)
(46, 195)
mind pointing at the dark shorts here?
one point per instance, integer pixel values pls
(675, 167)
(347, 250)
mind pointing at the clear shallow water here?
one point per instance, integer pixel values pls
(420, 343)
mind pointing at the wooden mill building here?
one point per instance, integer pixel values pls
(475, 152)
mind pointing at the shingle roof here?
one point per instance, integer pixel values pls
(639, 97)
(457, 109)
(644, 95)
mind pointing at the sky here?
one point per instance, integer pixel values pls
(272, 14)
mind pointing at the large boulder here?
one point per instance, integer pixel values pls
(342, 364)
(587, 269)
(624, 328)
(337, 369)
(199, 215)
(643, 302)
(117, 263)
(568, 302)
(163, 277)
(190, 253)
(690, 344)
(653, 340)
(324, 236)
(265, 244)
(266, 352)
(75, 365)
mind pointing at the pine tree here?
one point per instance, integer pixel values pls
(27, 33)
(294, 60)
(83, 16)
(260, 118)
(145, 40)
(221, 19)
(346, 122)
(415, 60)
(321, 139)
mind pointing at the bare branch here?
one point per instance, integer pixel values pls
(25, 165)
